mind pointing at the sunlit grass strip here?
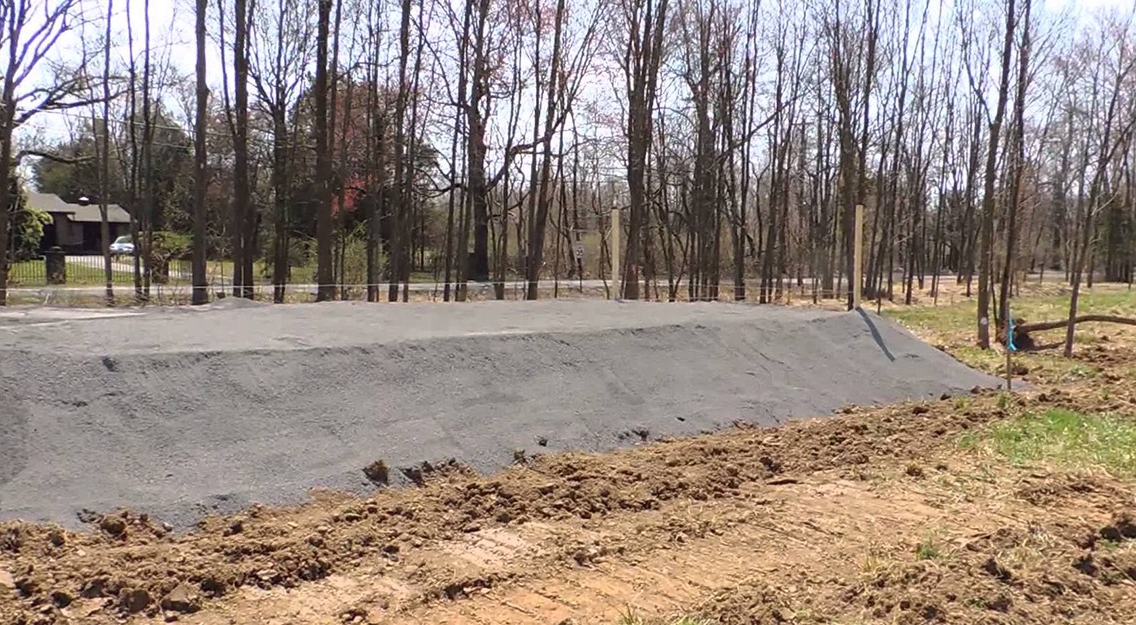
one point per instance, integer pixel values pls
(1064, 438)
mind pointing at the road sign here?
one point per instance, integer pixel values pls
(578, 250)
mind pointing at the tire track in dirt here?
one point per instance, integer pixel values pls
(791, 533)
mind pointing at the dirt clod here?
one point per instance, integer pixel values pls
(57, 537)
(997, 570)
(213, 586)
(61, 598)
(1121, 528)
(134, 600)
(10, 540)
(113, 525)
(378, 472)
(1086, 564)
(236, 527)
(183, 599)
(1000, 603)
(29, 586)
(354, 614)
(771, 464)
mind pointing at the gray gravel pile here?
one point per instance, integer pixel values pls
(180, 413)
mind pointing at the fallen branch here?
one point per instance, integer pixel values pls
(1053, 325)
(1024, 342)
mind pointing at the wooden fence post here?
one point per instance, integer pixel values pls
(858, 258)
(616, 276)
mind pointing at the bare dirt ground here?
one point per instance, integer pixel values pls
(950, 511)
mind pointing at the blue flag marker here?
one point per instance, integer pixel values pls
(1010, 335)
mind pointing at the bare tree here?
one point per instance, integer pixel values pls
(1015, 194)
(326, 288)
(1117, 124)
(244, 217)
(200, 171)
(104, 164)
(645, 21)
(986, 227)
(403, 194)
(280, 44)
(29, 32)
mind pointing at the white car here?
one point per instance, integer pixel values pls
(122, 246)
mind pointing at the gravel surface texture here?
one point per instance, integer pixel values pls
(183, 412)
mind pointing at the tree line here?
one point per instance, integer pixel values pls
(988, 140)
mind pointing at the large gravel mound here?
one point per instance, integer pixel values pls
(184, 412)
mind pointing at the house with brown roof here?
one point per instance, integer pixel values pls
(77, 227)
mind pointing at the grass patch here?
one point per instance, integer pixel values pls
(1064, 438)
(954, 327)
(928, 550)
(94, 276)
(630, 618)
(939, 319)
(32, 273)
(962, 317)
(874, 561)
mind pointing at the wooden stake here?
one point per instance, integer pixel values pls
(858, 258)
(616, 276)
(1009, 370)
(1009, 350)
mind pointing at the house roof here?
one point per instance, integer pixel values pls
(51, 203)
(90, 214)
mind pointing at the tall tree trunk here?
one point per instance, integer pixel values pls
(242, 202)
(642, 67)
(1019, 166)
(411, 147)
(399, 240)
(7, 183)
(104, 166)
(463, 49)
(200, 173)
(147, 162)
(986, 247)
(540, 220)
(326, 289)
(280, 197)
(132, 116)
(478, 189)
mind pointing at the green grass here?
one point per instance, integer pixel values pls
(631, 618)
(32, 273)
(960, 319)
(928, 550)
(939, 319)
(306, 273)
(953, 326)
(1064, 438)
